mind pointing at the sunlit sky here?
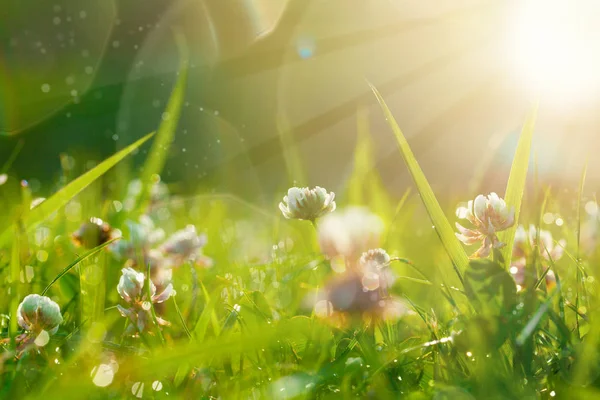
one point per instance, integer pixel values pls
(459, 75)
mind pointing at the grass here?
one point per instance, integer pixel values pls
(245, 327)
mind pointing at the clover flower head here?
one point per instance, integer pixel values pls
(547, 247)
(132, 288)
(306, 203)
(488, 215)
(131, 285)
(375, 259)
(349, 232)
(185, 244)
(37, 313)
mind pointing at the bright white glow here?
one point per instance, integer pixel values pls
(556, 47)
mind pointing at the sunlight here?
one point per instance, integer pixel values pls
(557, 48)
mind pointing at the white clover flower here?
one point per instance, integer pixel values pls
(349, 232)
(39, 313)
(374, 265)
(185, 244)
(131, 285)
(375, 258)
(133, 290)
(488, 214)
(306, 203)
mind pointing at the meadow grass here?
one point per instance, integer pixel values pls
(244, 319)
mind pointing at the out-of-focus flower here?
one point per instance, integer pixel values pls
(184, 245)
(349, 232)
(488, 214)
(518, 269)
(375, 258)
(306, 203)
(92, 233)
(374, 265)
(159, 192)
(347, 296)
(548, 249)
(39, 313)
(524, 243)
(142, 236)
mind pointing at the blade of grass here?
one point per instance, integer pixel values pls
(12, 157)
(152, 310)
(442, 226)
(63, 196)
(79, 259)
(516, 182)
(580, 282)
(166, 131)
(15, 296)
(182, 319)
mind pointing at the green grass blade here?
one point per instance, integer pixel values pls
(63, 196)
(15, 295)
(13, 156)
(166, 131)
(516, 182)
(79, 259)
(442, 225)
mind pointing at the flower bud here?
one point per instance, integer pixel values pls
(37, 313)
(92, 233)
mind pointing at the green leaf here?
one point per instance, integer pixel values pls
(63, 196)
(205, 317)
(490, 287)
(516, 183)
(440, 222)
(166, 131)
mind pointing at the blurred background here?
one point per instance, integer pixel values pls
(269, 78)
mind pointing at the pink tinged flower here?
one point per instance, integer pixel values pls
(39, 313)
(308, 204)
(132, 288)
(185, 244)
(526, 240)
(488, 215)
(374, 265)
